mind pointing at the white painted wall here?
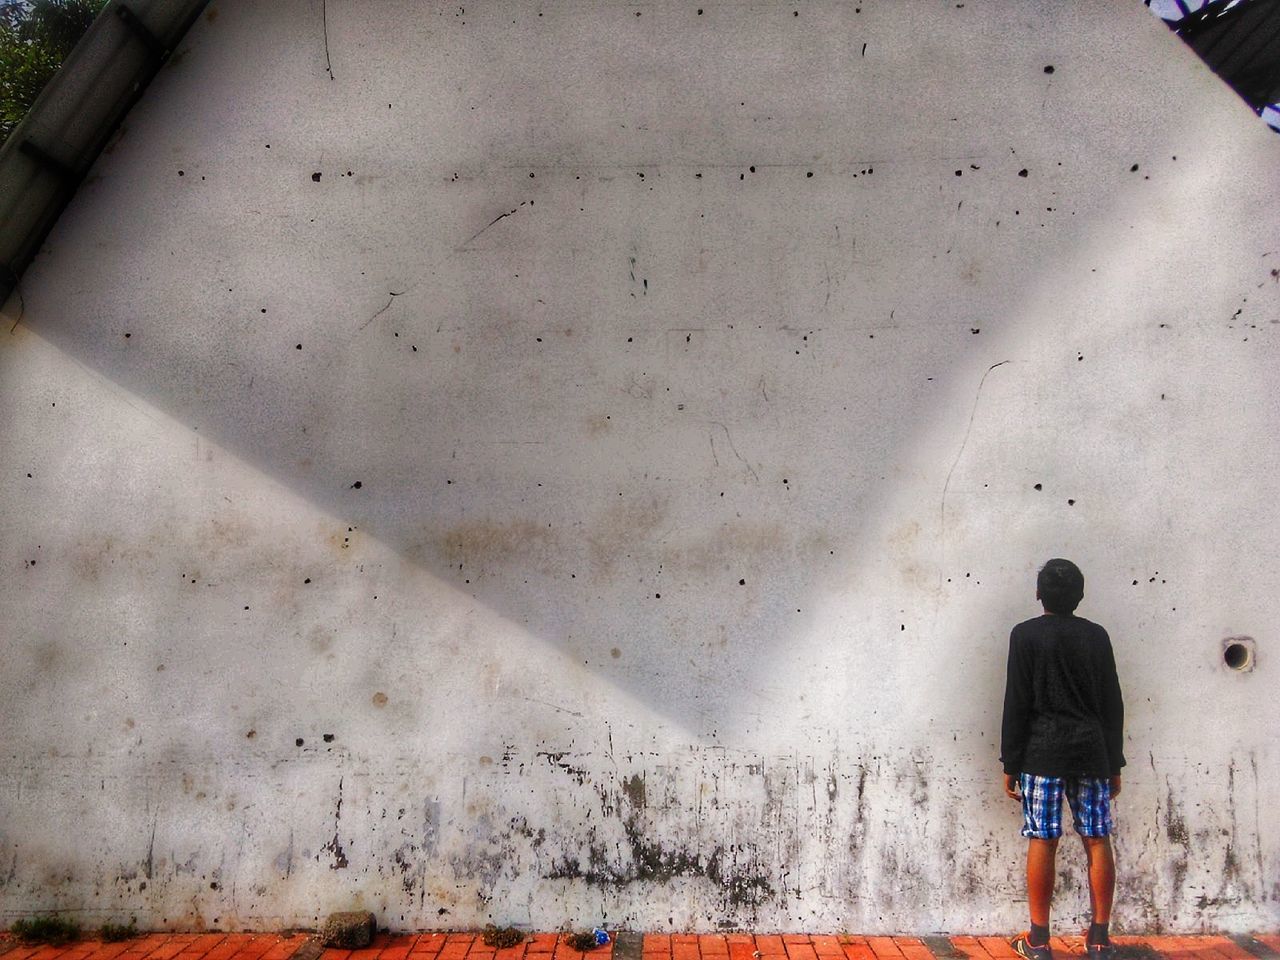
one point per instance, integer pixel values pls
(568, 510)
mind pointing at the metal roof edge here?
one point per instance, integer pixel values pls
(49, 153)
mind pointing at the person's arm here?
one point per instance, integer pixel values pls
(1017, 711)
(1113, 704)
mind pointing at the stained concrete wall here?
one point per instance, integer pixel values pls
(579, 463)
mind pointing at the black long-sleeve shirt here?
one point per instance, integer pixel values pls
(1063, 713)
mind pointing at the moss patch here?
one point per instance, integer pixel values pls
(502, 936)
(115, 932)
(46, 929)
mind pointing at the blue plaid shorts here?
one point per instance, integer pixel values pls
(1089, 797)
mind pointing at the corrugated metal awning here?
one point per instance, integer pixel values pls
(49, 153)
(1238, 39)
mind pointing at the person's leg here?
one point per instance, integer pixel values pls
(1041, 870)
(1090, 800)
(1102, 885)
(1042, 826)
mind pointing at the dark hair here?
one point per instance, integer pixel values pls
(1060, 585)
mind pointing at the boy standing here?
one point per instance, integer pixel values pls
(1063, 733)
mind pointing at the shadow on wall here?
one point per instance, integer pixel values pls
(690, 422)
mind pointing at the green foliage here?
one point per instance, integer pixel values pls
(35, 37)
(115, 932)
(46, 929)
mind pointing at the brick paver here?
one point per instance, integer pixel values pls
(654, 946)
(799, 951)
(998, 947)
(884, 948)
(857, 948)
(1067, 946)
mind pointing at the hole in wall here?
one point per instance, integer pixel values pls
(1237, 653)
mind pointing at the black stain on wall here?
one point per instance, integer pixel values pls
(334, 846)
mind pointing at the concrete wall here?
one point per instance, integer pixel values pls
(579, 463)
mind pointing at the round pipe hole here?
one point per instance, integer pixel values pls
(1237, 653)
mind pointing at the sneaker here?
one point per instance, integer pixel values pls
(1100, 951)
(1022, 947)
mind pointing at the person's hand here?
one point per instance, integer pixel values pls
(1011, 786)
(1115, 785)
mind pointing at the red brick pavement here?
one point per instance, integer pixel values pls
(654, 946)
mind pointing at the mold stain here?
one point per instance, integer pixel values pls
(334, 846)
(633, 790)
(1175, 828)
(483, 544)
